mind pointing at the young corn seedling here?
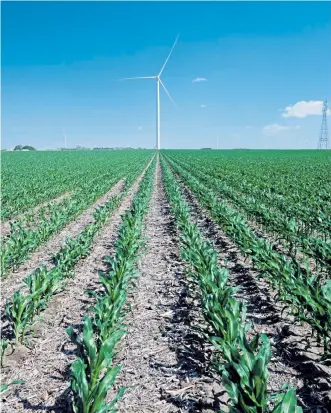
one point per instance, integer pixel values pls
(88, 381)
(42, 285)
(284, 274)
(241, 364)
(3, 347)
(20, 312)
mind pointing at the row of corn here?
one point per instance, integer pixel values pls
(23, 240)
(37, 177)
(304, 295)
(277, 178)
(93, 373)
(43, 283)
(273, 220)
(240, 362)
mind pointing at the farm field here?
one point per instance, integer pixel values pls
(171, 281)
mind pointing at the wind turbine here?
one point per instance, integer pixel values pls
(158, 82)
(64, 137)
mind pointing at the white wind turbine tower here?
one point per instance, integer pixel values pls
(158, 82)
(65, 140)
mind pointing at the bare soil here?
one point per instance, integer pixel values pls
(162, 357)
(278, 244)
(295, 354)
(43, 256)
(5, 226)
(165, 362)
(44, 362)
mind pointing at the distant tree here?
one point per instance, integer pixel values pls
(25, 147)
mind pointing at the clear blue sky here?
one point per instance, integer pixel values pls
(60, 62)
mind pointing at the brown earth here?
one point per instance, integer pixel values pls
(5, 226)
(44, 363)
(162, 358)
(295, 354)
(43, 256)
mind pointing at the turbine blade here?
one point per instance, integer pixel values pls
(139, 77)
(168, 93)
(168, 55)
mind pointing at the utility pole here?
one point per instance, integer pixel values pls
(323, 142)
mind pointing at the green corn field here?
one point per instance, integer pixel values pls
(166, 281)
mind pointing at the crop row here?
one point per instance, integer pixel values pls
(31, 178)
(303, 294)
(274, 221)
(93, 373)
(43, 283)
(278, 180)
(24, 240)
(240, 362)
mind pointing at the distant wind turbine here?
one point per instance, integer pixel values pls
(158, 82)
(65, 139)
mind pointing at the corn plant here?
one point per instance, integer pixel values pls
(20, 312)
(42, 284)
(93, 374)
(23, 240)
(30, 180)
(285, 228)
(89, 384)
(277, 180)
(3, 347)
(308, 298)
(241, 364)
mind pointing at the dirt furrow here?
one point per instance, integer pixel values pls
(45, 365)
(5, 226)
(279, 244)
(44, 253)
(295, 353)
(161, 357)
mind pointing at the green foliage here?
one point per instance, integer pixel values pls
(5, 386)
(3, 347)
(88, 384)
(303, 294)
(261, 205)
(42, 284)
(31, 178)
(241, 364)
(93, 373)
(20, 312)
(25, 238)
